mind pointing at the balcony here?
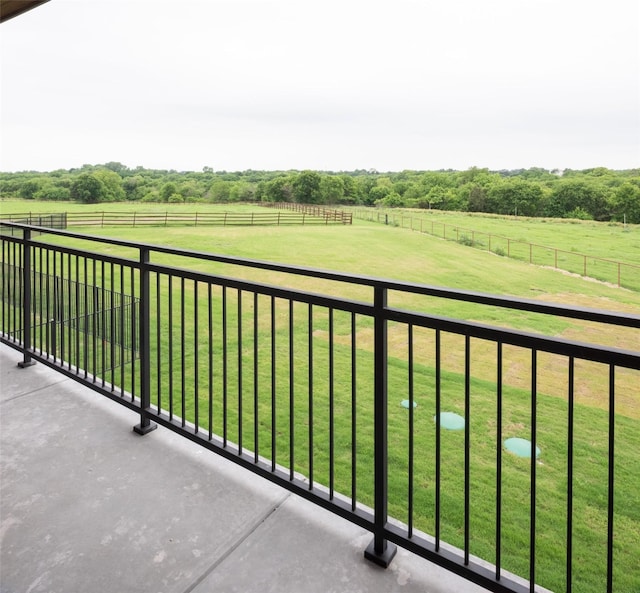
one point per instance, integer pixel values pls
(88, 505)
(299, 394)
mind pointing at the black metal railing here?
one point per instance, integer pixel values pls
(341, 389)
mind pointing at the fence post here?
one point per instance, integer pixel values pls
(379, 550)
(26, 300)
(145, 425)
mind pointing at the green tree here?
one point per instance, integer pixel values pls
(477, 199)
(279, 189)
(87, 188)
(350, 194)
(167, 190)
(515, 196)
(436, 197)
(133, 187)
(391, 200)
(29, 188)
(626, 203)
(306, 187)
(242, 191)
(190, 191)
(219, 190)
(572, 193)
(113, 191)
(52, 192)
(331, 189)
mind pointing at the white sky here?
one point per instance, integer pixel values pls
(294, 84)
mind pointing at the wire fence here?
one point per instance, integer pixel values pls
(621, 274)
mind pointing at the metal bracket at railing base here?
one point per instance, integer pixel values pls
(383, 559)
(26, 363)
(140, 429)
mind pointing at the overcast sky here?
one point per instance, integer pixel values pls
(296, 84)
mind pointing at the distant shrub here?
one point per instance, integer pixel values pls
(579, 214)
(499, 251)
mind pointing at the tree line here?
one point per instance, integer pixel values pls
(598, 193)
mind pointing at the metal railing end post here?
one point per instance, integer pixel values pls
(26, 300)
(145, 426)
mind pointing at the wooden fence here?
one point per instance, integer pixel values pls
(311, 216)
(327, 214)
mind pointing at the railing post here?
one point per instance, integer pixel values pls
(145, 425)
(26, 300)
(379, 550)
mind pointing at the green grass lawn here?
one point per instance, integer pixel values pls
(598, 239)
(609, 252)
(391, 252)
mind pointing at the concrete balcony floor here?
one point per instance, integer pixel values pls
(87, 505)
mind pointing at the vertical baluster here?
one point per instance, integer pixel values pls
(224, 365)
(354, 432)
(274, 428)
(239, 329)
(196, 367)
(170, 321)
(438, 451)
(291, 395)
(467, 442)
(611, 477)
(310, 369)
(256, 420)
(499, 461)
(411, 428)
(534, 418)
(210, 353)
(570, 426)
(183, 391)
(331, 407)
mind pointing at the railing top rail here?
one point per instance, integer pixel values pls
(516, 303)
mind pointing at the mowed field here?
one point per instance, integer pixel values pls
(384, 251)
(372, 249)
(607, 240)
